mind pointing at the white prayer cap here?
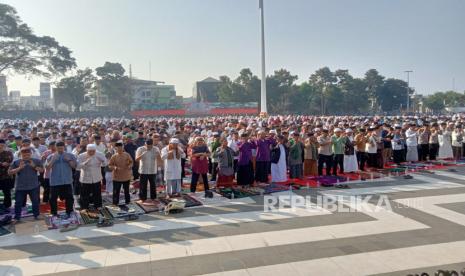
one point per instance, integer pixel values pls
(337, 130)
(273, 131)
(349, 130)
(174, 141)
(91, 147)
(317, 129)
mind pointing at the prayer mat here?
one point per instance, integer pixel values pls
(274, 188)
(235, 193)
(123, 211)
(444, 163)
(4, 231)
(370, 175)
(190, 201)
(86, 219)
(45, 207)
(25, 212)
(108, 198)
(157, 206)
(62, 220)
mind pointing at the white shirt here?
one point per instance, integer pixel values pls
(91, 170)
(371, 146)
(455, 135)
(101, 148)
(173, 168)
(233, 145)
(411, 136)
(148, 162)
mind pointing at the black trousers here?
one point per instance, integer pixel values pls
(104, 181)
(214, 170)
(261, 171)
(183, 166)
(361, 159)
(338, 161)
(144, 179)
(398, 156)
(195, 179)
(46, 186)
(433, 151)
(423, 151)
(328, 161)
(6, 185)
(245, 174)
(372, 160)
(135, 171)
(88, 189)
(62, 191)
(117, 189)
(45, 183)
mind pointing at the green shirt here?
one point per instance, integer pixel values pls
(338, 144)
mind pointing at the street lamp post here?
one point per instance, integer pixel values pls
(408, 89)
(263, 107)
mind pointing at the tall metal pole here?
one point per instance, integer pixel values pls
(263, 107)
(408, 89)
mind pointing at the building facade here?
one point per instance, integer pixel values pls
(3, 88)
(206, 90)
(45, 90)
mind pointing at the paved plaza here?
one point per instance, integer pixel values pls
(424, 232)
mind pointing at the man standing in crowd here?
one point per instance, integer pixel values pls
(262, 166)
(90, 164)
(121, 166)
(61, 165)
(295, 157)
(148, 157)
(325, 153)
(338, 141)
(172, 155)
(6, 180)
(433, 142)
(25, 170)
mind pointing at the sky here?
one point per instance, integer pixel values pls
(188, 40)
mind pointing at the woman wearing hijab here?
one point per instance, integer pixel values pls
(225, 158)
(199, 161)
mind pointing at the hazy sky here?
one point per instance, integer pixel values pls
(189, 40)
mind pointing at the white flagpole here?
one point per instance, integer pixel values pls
(263, 108)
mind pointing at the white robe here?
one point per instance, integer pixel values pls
(445, 147)
(173, 169)
(350, 161)
(279, 170)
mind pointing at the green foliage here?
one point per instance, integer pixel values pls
(392, 94)
(113, 83)
(438, 101)
(72, 90)
(23, 52)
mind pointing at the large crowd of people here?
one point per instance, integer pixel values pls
(76, 160)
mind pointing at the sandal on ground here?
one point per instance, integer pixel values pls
(105, 223)
(131, 217)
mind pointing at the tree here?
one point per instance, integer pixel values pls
(72, 90)
(323, 79)
(280, 90)
(435, 102)
(247, 87)
(354, 92)
(391, 94)
(113, 83)
(374, 81)
(225, 90)
(23, 52)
